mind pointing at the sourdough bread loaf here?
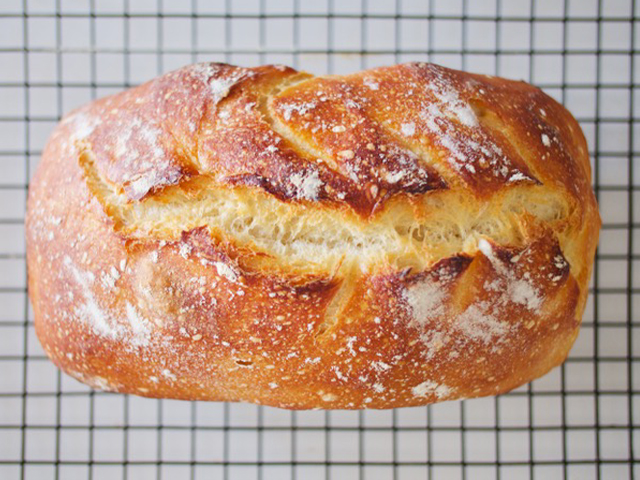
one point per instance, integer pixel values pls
(389, 238)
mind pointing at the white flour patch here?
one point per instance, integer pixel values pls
(98, 383)
(140, 331)
(485, 248)
(185, 250)
(381, 366)
(433, 340)
(476, 324)
(90, 311)
(451, 102)
(219, 87)
(516, 177)
(427, 301)
(154, 178)
(371, 84)
(516, 290)
(110, 278)
(559, 262)
(443, 116)
(83, 125)
(100, 321)
(408, 129)
(395, 177)
(378, 387)
(350, 342)
(300, 108)
(307, 185)
(137, 145)
(141, 130)
(523, 293)
(429, 388)
(226, 271)
(339, 374)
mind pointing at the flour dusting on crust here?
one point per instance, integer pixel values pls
(430, 388)
(83, 124)
(478, 324)
(226, 271)
(300, 108)
(90, 311)
(307, 185)
(517, 290)
(427, 301)
(102, 320)
(140, 327)
(220, 78)
(482, 322)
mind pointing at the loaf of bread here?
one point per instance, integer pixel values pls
(394, 237)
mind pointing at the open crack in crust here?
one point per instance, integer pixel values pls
(394, 237)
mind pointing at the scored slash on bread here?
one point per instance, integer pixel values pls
(388, 238)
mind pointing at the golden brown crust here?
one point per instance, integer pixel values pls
(390, 238)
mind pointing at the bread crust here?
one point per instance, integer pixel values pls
(390, 238)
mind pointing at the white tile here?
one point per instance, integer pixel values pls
(109, 410)
(11, 440)
(344, 472)
(480, 412)
(74, 445)
(206, 472)
(581, 444)
(480, 446)
(243, 445)
(614, 444)
(108, 444)
(40, 444)
(107, 472)
(548, 472)
(310, 446)
(412, 446)
(547, 445)
(176, 445)
(343, 446)
(312, 472)
(237, 472)
(210, 445)
(514, 446)
(276, 445)
(243, 414)
(176, 412)
(36, 472)
(276, 472)
(446, 446)
(142, 445)
(446, 473)
(580, 410)
(378, 472)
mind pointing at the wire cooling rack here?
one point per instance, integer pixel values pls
(577, 422)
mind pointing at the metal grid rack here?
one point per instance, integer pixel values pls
(576, 422)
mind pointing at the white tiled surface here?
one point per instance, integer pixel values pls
(555, 428)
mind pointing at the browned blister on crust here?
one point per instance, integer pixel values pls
(394, 237)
